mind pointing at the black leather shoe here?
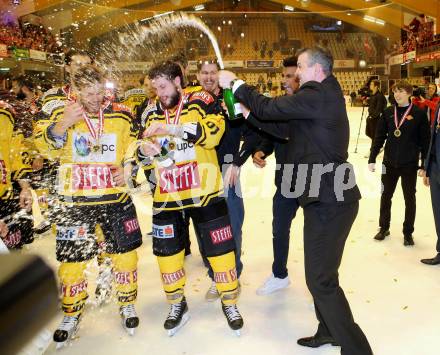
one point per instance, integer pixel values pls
(382, 234)
(433, 261)
(408, 240)
(316, 341)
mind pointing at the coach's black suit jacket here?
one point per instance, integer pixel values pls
(317, 131)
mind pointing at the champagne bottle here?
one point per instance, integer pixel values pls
(234, 108)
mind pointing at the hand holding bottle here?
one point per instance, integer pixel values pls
(156, 129)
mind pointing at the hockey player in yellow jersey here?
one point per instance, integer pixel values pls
(90, 138)
(133, 98)
(181, 133)
(15, 226)
(51, 101)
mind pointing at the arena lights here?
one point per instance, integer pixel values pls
(374, 20)
(109, 85)
(362, 63)
(158, 15)
(199, 7)
(289, 8)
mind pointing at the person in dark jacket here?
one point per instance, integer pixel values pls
(405, 129)
(376, 105)
(432, 179)
(317, 174)
(283, 209)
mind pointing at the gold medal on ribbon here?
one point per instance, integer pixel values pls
(172, 144)
(406, 115)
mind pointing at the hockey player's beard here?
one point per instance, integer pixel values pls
(173, 101)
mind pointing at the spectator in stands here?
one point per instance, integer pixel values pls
(255, 46)
(28, 36)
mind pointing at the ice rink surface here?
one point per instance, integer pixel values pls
(394, 298)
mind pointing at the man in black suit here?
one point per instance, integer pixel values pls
(318, 175)
(432, 179)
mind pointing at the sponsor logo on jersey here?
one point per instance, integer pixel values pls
(50, 106)
(179, 178)
(83, 147)
(3, 172)
(91, 176)
(135, 275)
(184, 146)
(85, 150)
(117, 106)
(202, 96)
(222, 277)
(163, 232)
(221, 235)
(170, 278)
(12, 239)
(71, 233)
(180, 150)
(131, 225)
(122, 278)
(233, 274)
(75, 289)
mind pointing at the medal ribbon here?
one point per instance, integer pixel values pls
(178, 112)
(91, 127)
(403, 117)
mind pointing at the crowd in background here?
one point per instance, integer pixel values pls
(28, 36)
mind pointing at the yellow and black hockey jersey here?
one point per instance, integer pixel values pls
(194, 179)
(14, 159)
(134, 98)
(85, 172)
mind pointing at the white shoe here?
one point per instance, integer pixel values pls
(273, 284)
(212, 293)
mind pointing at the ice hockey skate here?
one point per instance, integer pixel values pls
(235, 321)
(177, 317)
(130, 320)
(66, 331)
